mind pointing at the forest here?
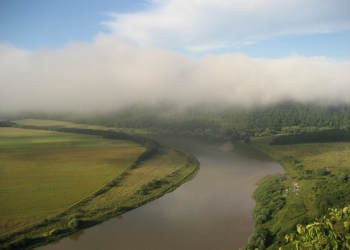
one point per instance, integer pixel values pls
(213, 120)
(333, 135)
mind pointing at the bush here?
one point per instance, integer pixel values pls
(342, 178)
(296, 161)
(320, 171)
(73, 223)
(308, 171)
(257, 239)
(142, 190)
(299, 167)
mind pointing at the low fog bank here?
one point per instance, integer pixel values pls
(111, 74)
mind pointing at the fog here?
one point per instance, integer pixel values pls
(112, 73)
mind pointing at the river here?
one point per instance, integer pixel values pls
(212, 211)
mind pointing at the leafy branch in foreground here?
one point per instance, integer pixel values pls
(327, 232)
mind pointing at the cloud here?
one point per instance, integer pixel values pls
(206, 25)
(111, 73)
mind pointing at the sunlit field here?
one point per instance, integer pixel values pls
(44, 172)
(333, 156)
(54, 123)
(168, 166)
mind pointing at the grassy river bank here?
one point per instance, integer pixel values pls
(96, 179)
(316, 178)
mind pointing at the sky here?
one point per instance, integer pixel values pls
(62, 55)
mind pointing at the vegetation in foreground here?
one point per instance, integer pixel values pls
(326, 233)
(317, 178)
(162, 173)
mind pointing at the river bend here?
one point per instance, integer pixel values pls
(212, 211)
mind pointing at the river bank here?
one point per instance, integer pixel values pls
(315, 179)
(137, 185)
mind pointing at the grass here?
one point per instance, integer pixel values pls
(54, 123)
(64, 124)
(169, 166)
(300, 162)
(53, 184)
(44, 172)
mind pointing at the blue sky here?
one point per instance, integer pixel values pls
(97, 55)
(37, 24)
(34, 24)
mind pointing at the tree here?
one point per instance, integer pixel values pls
(327, 232)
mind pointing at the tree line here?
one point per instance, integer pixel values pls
(333, 135)
(210, 120)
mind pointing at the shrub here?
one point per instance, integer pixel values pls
(299, 167)
(320, 171)
(341, 178)
(143, 190)
(73, 223)
(308, 171)
(257, 239)
(296, 161)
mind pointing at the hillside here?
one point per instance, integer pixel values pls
(220, 121)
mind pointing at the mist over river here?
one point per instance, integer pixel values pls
(212, 211)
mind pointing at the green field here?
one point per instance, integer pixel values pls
(48, 178)
(168, 166)
(44, 172)
(64, 124)
(303, 193)
(54, 123)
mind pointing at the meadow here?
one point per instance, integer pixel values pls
(44, 172)
(55, 123)
(66, 124)
(317, 177)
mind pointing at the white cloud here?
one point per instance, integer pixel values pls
(210, 24)
(111, 73)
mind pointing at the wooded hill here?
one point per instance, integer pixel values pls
(220, 121)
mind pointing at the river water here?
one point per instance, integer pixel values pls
(212, 211)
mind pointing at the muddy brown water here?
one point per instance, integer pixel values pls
(212, 211)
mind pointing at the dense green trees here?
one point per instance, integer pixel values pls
(207, 120)
(257, 239)
(334, 135)
(229, 120)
